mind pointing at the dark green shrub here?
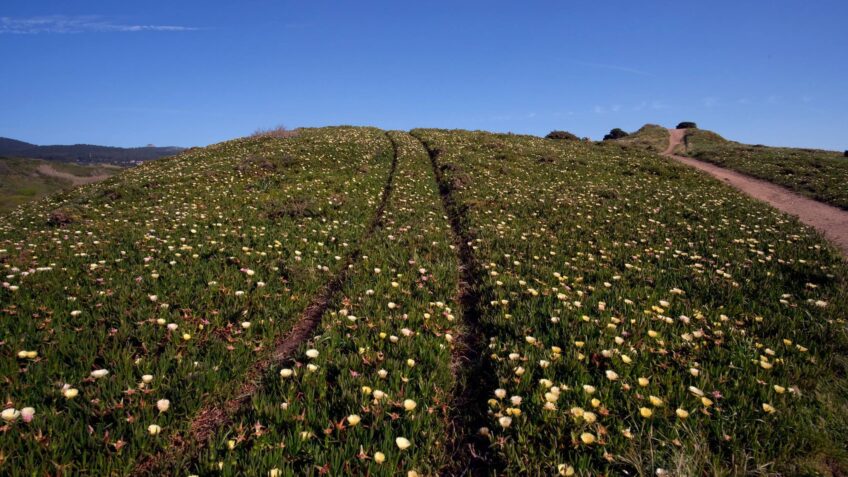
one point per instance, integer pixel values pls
(687, 125)
(562, 135)
(616, 133)
(845, 154)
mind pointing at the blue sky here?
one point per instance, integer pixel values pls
(197, 72)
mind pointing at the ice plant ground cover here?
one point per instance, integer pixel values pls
(641, 317)
(380, 369)
(183, 270)
(638, 317)
(821, 175)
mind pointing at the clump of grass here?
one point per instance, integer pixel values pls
(562, 135)
(279, 132)
(615, 133)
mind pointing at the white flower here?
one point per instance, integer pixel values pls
(10, 415)
(500, 393)
(99, 373)
(245, 324)
(409, 404)
(611, 375)
(154, 429)
(286, 373)
(353, 419)
(163, 405)
(147, 378)
(379, 457)
(312, 353)
(402, 443)
(505, 421)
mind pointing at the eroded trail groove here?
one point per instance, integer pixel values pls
(831, 221)
(216, 415)
(473, 371)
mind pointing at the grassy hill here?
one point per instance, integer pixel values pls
(22, 180)
(821, 175)
(352, 301)
(650, 137)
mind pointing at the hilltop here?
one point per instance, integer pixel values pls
(353, 301)
(84, 153)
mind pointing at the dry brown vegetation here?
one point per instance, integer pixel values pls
(277, 132)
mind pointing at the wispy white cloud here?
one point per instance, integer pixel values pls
(512, 117)
(58, 24)
(623, 69)
(710, 101)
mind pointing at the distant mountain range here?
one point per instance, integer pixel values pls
(85, 153)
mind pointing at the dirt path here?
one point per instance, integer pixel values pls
(831, 221)
(48, 170)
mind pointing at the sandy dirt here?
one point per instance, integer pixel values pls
(48, 170)
(831, 221)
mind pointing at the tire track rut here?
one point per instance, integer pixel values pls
(475, 378)
(212, 417)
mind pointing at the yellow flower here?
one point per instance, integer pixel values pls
(379, 457)
(779, 389)
(655, 401)
(682, 413)
(154, 429)
(643, 382)
(409, 404)
(353, 420)
(645, 412)
(587, 438)
(768, 408)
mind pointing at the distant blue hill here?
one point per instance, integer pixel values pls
(84, 153)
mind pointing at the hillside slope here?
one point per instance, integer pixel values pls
(22, 180)
(818, 174)
(351, 301)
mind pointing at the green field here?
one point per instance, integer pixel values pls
(21, 181)
(821, 175)
(351, 301)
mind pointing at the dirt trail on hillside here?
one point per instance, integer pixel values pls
(831, 221)
(48, 170)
